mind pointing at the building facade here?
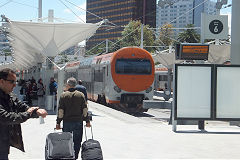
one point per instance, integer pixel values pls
(119, 12)
(208, 7)
(3, 39)
(182, 12)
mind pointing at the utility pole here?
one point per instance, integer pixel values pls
(217, 13)
(235, 34)
(141, 43)
(39, 10)
(144, 12)
(106, 45)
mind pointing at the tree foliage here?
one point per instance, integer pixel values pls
(165, 35)
(101, 48)
(189, 35)
(131, 35)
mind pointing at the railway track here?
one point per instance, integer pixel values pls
(155, 115)
(152, 115)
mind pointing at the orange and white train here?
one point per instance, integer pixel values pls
(162, 78)
(122, 79)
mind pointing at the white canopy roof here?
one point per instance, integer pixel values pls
(31, 41)
(165, 58)
(219, 53)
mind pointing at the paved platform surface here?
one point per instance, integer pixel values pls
(123, 136)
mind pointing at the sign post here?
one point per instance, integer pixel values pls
(214, 27)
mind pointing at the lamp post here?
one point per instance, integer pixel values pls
(39, 10)
(235, 34)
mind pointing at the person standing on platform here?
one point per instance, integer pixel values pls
(13, 112)
(72, 111)
(40, 93)
(53, 91)
(82, 89)
(53, 86)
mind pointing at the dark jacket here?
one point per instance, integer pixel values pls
(12, 113)
(53, 88)
(72, 107)
(82, 89)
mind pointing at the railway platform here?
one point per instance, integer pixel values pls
(148, 136)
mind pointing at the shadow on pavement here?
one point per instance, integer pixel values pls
(141, 115)
(206, 132)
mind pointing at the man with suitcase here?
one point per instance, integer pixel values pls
(72, 111)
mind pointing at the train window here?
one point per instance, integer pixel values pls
(133, 66)
(163, 78)
(98, 76)
(99, 60)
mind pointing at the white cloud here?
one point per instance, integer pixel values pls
(83, 43)
(67, 11)
(81, 18)
(82, 7)
(80, 12)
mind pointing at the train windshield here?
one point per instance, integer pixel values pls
(133, 66)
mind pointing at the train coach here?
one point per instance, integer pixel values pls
(161, 79)
(122, 79)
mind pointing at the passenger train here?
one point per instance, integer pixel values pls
(122, 79)
(161, 79)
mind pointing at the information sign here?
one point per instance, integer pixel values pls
(214, 26)
(192, 51)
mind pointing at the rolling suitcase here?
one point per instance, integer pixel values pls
(91, 149)
(59, 145)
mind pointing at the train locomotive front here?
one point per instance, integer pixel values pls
(131, 80)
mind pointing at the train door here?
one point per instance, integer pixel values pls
(92, 83)
(103, 88)
(104, 79)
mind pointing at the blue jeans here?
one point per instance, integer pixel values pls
(77, 129)
(4, 156)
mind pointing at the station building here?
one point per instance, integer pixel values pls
(119, 12)
(179, 13)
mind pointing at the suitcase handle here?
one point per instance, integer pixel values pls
(86, 131)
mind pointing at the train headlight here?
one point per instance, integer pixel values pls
(117, 89)
(149, 89)
(167, 93)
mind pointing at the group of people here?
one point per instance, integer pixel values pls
(72, 112)
(32, 90)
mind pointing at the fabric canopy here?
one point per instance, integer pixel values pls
(32, 41)
(165, 58)
(218, 54)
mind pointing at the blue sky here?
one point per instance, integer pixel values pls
(20, 10)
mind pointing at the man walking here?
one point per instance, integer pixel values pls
(82, 89)
(72, 111)
(12, 113)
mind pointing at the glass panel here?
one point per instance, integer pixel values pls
(193, 92)
(133, 66)
(227, 100)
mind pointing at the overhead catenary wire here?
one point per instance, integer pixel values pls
(24, 4)
(89, 12)
(163, 25)
(5, 3)
(180, 17)
(72, 11)
(9, 1)
(187, 12)
(95, 46)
